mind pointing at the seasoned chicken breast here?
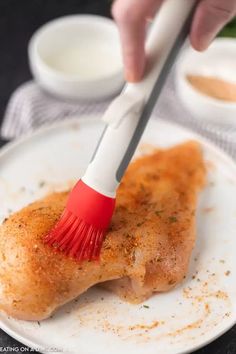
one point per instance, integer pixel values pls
(146, 250)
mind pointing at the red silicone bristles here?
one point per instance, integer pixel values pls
(60, 228)
(76, 244)
(97, 245)
(76, 238)
(80, 231)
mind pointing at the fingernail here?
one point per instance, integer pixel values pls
(134, 72)
(132, 76)
(205, 43)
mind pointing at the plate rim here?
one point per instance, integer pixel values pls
(47, 128)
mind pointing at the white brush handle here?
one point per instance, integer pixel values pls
(128, 114)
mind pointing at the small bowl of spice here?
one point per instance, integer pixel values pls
(206, 81)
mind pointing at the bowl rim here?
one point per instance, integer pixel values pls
(181, 75)
(35, 59)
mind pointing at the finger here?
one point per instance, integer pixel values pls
(131, 16)
(210, 17)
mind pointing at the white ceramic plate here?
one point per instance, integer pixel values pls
(196, 312)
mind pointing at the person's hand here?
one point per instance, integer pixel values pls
(132, 15)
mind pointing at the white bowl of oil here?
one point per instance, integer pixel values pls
(77, 57)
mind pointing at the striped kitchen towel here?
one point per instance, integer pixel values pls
(30, 107)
